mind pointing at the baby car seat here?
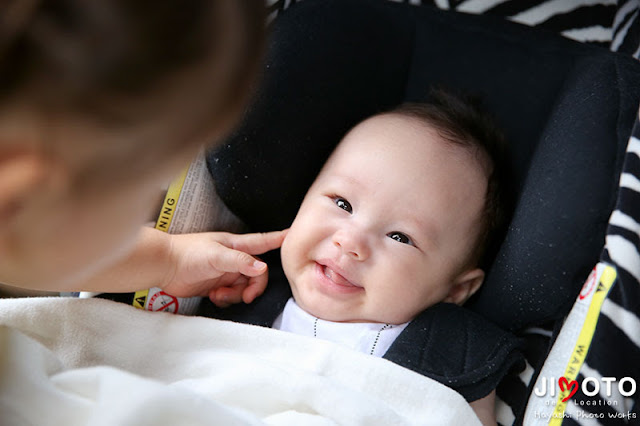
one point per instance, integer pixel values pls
(567, 110)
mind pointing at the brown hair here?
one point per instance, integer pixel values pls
(122, 64)
(461, 120)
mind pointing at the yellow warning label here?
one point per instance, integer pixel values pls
(170, 200)
(163, 223)
(140, 298)
(607, 278)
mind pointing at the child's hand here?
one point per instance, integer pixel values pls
(220, 265)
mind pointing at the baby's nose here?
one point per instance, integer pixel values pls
(352, 243)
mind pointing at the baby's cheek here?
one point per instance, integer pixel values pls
(289, 255)
(425, 285)
(297, 242)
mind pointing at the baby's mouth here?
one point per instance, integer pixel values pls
(336, 277)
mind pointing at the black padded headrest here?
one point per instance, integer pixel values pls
(566, 109)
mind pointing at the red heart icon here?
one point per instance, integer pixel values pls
(566, 385)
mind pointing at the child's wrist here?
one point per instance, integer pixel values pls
(163, 259)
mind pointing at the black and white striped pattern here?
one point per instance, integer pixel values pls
(626, 28)
(616, 351)
(513, 392)
(583, 20)
(602, 22)
(615, 347)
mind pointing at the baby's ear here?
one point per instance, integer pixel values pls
(465, 286)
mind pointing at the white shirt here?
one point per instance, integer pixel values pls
(370, 338)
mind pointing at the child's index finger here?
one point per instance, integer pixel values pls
(258, 243)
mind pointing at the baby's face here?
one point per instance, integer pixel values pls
(388, 227)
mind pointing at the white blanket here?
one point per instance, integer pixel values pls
(95, 362)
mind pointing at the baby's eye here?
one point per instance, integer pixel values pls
(400, 237)
(344, 204)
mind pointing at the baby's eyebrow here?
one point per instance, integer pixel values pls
(428, 234)
(340, 178)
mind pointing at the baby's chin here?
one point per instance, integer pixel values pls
(357, 320)
(321, 312)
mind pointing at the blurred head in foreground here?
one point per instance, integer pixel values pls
(101, 102)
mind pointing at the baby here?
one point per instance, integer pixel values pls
(399, 213)
(399, 219)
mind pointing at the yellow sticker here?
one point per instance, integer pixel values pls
(163, 223)
(568, 381)
(170, 200)
(140, 299)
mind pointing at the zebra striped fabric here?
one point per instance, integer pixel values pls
(609, 23)
(601, 352)
(626, 28)
(614, 353)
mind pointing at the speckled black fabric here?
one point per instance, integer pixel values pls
(458, 348)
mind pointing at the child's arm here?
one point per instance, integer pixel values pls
(192, 265)
(485, 409)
